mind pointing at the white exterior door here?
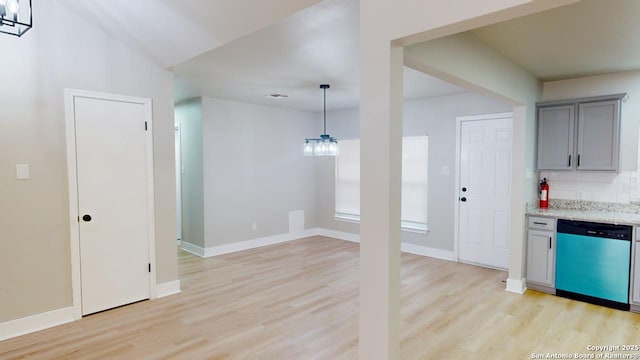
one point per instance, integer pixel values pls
(484, 192)
(113, 204)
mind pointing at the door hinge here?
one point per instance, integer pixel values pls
(149, 267)
(145, 126)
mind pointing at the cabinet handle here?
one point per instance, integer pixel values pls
(569, 160)
(539, 223)
(578, 160)
(549, 242)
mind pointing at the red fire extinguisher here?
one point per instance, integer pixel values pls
(544, 194)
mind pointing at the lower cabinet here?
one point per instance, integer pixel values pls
(541, 260)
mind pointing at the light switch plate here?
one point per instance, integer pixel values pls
(22, 171)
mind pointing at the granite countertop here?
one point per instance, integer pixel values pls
(588, 215)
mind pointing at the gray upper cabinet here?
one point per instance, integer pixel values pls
(555, 137)
(582, 134)
(598, 135)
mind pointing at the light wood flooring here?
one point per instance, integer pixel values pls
(299, 300)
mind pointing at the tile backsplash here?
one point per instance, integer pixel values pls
(621, 188)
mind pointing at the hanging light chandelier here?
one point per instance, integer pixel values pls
(326, 145)
(15, 19)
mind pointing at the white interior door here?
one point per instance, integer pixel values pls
(112, 189)
(485, 190)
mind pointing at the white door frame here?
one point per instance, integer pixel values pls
(456, 221)
(179, 170)
(70, 95)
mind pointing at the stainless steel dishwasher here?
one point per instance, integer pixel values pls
(593, 262)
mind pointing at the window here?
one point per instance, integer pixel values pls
(348, 180)
(415, 150)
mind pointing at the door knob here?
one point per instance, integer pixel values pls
(463, 199)
(464, 189)
(86, 218)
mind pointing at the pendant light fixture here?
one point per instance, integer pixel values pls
(15, 18)
(326, 145)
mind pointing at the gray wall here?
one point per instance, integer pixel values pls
(464, 60)
(65, 51)
(435, 117)
(189, 115)
(254, 170)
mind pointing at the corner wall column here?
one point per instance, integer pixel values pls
(381, 75)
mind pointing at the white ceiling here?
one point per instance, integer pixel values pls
(587, 38)
(293, 57)
(216, 48)
(169, 32)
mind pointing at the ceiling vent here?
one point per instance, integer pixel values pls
(277, 96)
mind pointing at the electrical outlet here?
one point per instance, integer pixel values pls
(22, 172)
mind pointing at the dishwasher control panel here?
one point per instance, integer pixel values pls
(610, 231)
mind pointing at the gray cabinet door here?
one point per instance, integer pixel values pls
(555, 137)
(598, 135)
(636, 276)
(540, 257)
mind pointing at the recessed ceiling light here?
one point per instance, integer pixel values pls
(277, 96)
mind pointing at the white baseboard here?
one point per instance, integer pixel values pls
(168, 288)
(259, 242)
(405, 247)
(33, 323)
(427, 251)
(340, 235)
(276, 239)
(191, 248)
(516, 286)
(247, 244)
